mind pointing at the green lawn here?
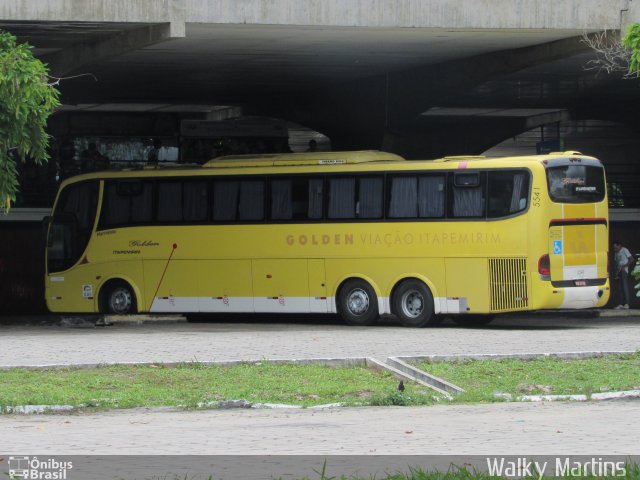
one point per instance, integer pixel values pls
(554, 376)
(192, 384)
(196, 385)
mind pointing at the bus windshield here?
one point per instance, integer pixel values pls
(576, 183)
(71, 225)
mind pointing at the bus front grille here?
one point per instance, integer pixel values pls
(508, 284)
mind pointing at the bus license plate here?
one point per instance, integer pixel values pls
(581, 283)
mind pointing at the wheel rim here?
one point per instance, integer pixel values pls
(120, 300)
(412, 304)
(358, 301)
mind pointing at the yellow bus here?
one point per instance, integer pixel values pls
(360, 234)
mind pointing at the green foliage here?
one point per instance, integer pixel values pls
(26, 101)
(632, 41)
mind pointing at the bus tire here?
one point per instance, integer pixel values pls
(358, 303)
(119, 299)
(412, 303)
(472, 320)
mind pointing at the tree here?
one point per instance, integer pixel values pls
(26, 101)
(613, 54)
(632, 41)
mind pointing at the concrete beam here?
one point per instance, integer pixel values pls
(442, 14)
(70, 59)
(411, 92)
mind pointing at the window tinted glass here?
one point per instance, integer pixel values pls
(370, 197)
(281, 200)
(126, 202)
(142, 204)
(238, 200)
(468, 201)
(508, 193)
(315, 198)
(194, 201)
(169, 202)
(342, 198)
(417, 196)
(404, 197)
(251, 203)
(225, 200)
(296, 198)
(355, 197)
(72, 225)
(576, 183)
(431, 196)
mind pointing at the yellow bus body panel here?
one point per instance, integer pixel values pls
(470, 266)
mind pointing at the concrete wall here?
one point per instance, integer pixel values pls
(465, 14)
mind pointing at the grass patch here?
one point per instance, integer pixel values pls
(632, 472)
(192, 384)
(481, 379)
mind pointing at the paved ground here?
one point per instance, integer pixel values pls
(594, 428)
(505, 428)
(48, 345)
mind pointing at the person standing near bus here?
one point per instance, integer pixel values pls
(623, 260)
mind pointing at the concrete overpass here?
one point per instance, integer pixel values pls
(360, 71)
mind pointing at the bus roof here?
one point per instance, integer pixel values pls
(306, 158)
(342, 161)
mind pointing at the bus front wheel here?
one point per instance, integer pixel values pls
(119, 299)
(358, 303)
(412, 303)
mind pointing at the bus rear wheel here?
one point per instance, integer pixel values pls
(119, 299)
(412, 303)
(358, 303)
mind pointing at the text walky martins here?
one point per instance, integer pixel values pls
(562, 467)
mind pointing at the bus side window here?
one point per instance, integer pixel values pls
(370, 197)
(417, 196)
(281, 202)
(251, 202)
(342, 199)
(126, 203)
(315, 198)
(508, 193)
(404, 197)
(241, 200)
(194, 201)
(225, 200)
(169, 202)
(431, 196)
(468, 198)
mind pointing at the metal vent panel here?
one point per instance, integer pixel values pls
(508, 284)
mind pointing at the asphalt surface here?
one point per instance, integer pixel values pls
(561, 428)
(220, 340)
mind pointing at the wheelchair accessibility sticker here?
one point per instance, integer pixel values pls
(557, 247)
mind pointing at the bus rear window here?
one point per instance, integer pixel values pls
(576, 184)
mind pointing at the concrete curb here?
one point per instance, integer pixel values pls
(403, 375)
(244, 404)
(512, 356)
(437, 383)
(329, 362)
(338, 362)
(603, 396)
